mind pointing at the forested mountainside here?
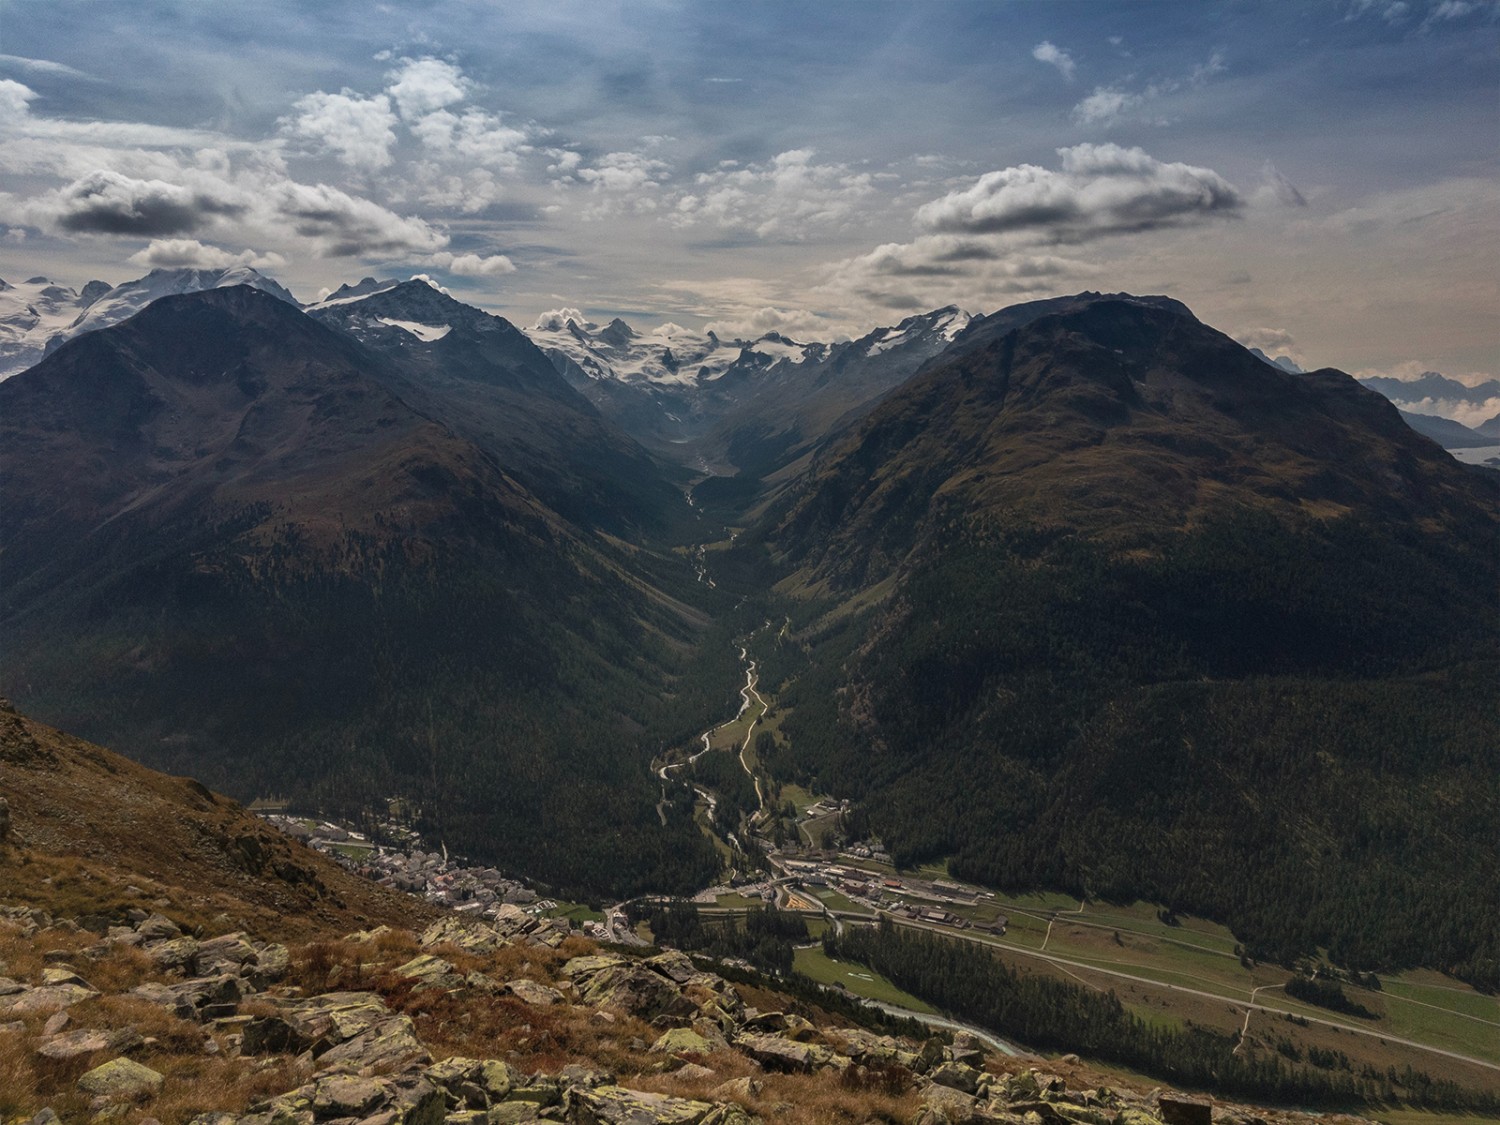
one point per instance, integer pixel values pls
(243, 545)
(1158, 620)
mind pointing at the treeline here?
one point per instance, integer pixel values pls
(1047, 713)
(766, 937)
(1326, 994)
(514, 691)
(968, 981)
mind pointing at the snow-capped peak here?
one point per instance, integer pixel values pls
(37, 315)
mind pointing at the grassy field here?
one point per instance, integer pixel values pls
(817, 965)
(739, 901)
(576, 911)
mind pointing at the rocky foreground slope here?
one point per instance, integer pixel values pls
(165, 957)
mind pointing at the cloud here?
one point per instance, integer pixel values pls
(554, 320)
(473, 137)
(340, 225)
(1101, 189)
(1465, 413)
(756, 323)
(359, 131)
(425, 85)
(106, 202)
(1276, 188)
(43, 66)
(1109, 105)
(1105, 106)
(472, 265)
(1268, 340)
(788, 197)
(624, 172)
(177, 253)
(15, 99)
(1055, 56)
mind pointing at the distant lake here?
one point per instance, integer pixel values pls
(1478, 455)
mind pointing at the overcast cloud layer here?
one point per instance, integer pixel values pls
(1316, 179)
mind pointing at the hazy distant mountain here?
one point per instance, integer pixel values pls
(1285, 362)
(243, 544)
(1431, 385)
(1106, 603)
(1445, 431)
(37, 316)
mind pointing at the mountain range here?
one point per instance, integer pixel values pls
(1078, 594)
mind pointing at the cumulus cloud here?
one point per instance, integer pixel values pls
(15, 98)
(624, 172)
(755, 323)
(105, 202)
(472, 265)
(359, 131)
(1101, 189)
(554, 320)
(177, 253)
(340, 225)
(789, 197)
(425, 85)
(1106, 105)
(1046, 52)
(1269, 340)
(472, 137)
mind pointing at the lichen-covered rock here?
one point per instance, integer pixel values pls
(475, 1083)
(121, 1079)
(775, 1053)
(389, 1044)
(530, 992)
(470, 935)
(431, 973)
(682, 1041)
(738, 1090)
(175, 955)
(347, 1095)
(957, 1076)
(615, 1105)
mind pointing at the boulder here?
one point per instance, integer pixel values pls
(467, 934)
(347, 1095)
(387, 1045)
(176, 954)
(682, 1041)
(1178, 1109)
(158, 928)
(957, 1076)
(778, 1054)
(530, 992)
(738, 1090)
(431, 974)
(615, 1105)
(231, 953)
(950, 1104)
(52, 998)
(122, 1079)
(73, 1044)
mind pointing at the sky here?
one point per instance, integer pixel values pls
(1315, 178)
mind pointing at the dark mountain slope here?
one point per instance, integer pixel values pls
(95, 834)
(234, 547)
(1162, 621)
(486, 380)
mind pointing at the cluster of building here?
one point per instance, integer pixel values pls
(405, 867)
